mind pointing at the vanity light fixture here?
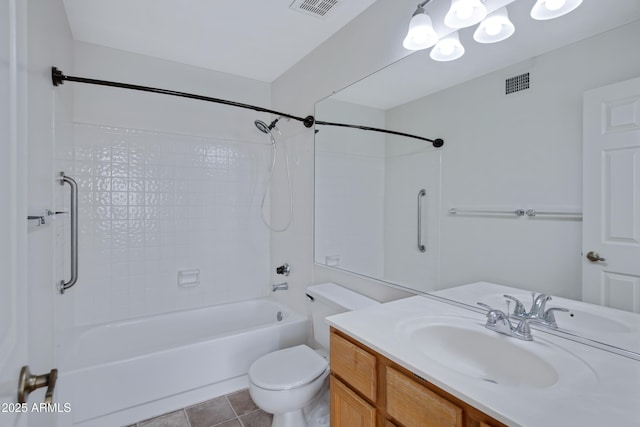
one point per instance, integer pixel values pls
(549, 9)
(421, 34)
(465, 13)
(495, 27)
(448, 49)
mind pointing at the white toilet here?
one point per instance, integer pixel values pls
(285, 381)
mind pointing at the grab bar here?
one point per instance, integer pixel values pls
(455, 211)
(533, 212)
(62, 285)
(421, 194)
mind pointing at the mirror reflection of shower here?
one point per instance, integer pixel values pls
(268, 129)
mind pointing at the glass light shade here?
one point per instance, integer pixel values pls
(448, 49)
(549, 9)
(495, 27)
(465, 13)
(421, 34)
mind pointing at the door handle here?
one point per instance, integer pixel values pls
(594, 256)
(29, 382)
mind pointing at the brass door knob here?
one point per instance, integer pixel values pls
(594, 256)
(29, 382)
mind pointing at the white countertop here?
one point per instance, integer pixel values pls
(604, 390)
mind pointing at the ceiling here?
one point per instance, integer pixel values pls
(261, 39)
(417, 75)
(256, 39)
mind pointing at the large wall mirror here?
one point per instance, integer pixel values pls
(379, 197)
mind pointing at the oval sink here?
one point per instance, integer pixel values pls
(465, 346)
(488, 358)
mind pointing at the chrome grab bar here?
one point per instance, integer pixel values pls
(455, 211)
(422, 193)
(62, 285)
(533, 212)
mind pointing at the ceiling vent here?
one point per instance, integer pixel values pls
(517, 83)
(317, 8)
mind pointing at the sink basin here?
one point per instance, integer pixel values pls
(465, 346)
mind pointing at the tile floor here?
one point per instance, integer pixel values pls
(233, 410)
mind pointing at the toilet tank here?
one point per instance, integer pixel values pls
(327, 299)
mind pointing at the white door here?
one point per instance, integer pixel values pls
(611, 196)
(13, 292)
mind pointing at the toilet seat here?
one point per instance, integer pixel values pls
(287, 369)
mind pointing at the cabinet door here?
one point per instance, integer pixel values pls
(348, 409)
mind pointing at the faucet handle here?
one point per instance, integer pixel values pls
(483, 305)
(497, 320)
(523, 331)
(519, 309)
(493, 314)
(550, 319)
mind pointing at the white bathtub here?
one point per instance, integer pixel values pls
(128, 371)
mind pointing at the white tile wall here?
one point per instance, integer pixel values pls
(152, 204)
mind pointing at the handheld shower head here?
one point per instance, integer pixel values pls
(262, 127)
(266, 128)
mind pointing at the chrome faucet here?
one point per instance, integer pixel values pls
(499, 322)
(538, 310)
(549, 318)
(539, 304)
(518, 310)
(280, 287)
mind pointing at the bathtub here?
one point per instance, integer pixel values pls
(128, 371)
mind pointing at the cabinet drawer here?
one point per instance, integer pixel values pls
(354, 365)
(348, 409)
(416, 406)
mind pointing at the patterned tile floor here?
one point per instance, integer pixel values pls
(233, 410)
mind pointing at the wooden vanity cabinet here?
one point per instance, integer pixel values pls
(369, 390)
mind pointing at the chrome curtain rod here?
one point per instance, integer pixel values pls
(58, 78)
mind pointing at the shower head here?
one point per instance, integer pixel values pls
(266, 128)
(262, 126)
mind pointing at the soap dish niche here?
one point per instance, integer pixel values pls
(188, 278)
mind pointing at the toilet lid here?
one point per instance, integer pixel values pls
(287, 369)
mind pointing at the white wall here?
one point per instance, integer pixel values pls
(369, 42)
(472, 251)
(166, 185)
(351, 184)
(412, 167)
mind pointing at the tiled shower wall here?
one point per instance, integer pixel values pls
(153, 204)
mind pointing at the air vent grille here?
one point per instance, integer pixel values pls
(517, 83)
(317, 8)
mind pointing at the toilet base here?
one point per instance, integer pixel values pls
(289, 419)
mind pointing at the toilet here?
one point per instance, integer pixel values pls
(286, 381)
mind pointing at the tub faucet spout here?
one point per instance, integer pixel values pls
(280, 287)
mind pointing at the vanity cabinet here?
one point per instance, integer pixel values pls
(369, 390)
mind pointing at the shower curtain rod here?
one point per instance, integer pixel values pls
(58, 78)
